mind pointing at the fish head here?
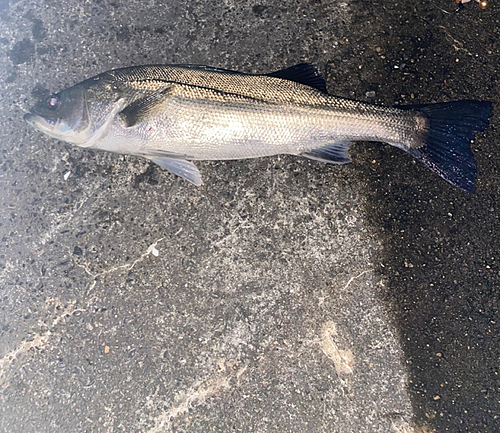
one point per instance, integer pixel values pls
(63, 115)
(80, 114)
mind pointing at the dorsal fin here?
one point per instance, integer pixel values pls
(303, 73)
(210, 69)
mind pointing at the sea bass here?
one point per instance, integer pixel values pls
(174, 115)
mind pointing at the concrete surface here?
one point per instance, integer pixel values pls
(284, 295)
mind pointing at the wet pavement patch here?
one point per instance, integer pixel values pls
(22, 52)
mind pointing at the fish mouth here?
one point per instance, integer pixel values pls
(29, 118)
(40, 123)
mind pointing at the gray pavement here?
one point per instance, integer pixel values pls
(283, 295)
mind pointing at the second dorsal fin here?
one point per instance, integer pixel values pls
(303, 73)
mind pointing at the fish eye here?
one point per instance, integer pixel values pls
(53, 102)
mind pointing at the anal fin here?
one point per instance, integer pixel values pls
(335, 153)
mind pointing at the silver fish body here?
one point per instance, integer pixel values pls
(176, 114)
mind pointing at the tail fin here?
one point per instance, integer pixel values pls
(447, 146)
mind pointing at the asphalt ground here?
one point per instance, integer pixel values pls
(284, 294)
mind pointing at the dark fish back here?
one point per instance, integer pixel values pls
(262, 87)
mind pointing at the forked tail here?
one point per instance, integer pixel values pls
(451, 131)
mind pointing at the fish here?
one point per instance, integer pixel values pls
(176, 114)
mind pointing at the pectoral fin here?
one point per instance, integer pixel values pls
(181, 167)
(143, 108)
